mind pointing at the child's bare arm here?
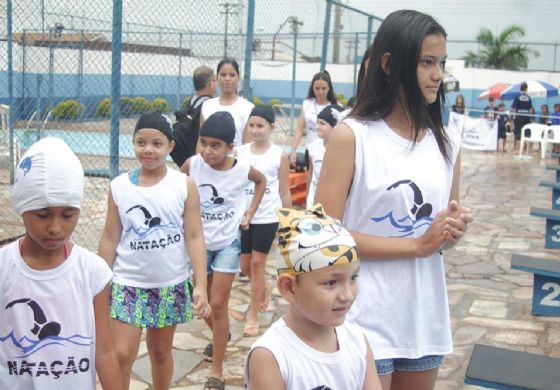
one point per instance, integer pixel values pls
(260, 185)
(264, 372)
(111, 232)
(106, 360)
(284, 182)
(194, 237)
(371, 382)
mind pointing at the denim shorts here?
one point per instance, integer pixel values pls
(425, 363)
(224, 260)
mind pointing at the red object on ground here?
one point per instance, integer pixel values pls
(298, 187)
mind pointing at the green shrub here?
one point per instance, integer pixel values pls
(342, 99)
(126, 106)
(275, 103)
(68, 109)
(103, 108)
(140, 105)
(161, 105)
(257, 100)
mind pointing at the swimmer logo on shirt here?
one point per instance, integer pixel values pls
(213, 206)
(420, 213)
(149, 225)
(45, 333)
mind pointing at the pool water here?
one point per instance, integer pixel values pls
(81, 142)
(91, 143)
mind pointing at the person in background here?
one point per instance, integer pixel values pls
(187, 125)
(256, 241)
(459, 106)
(502, 118)
(544, 119)
(327, 119)
(522, 105)
(320, 95)
(490, 110)
(555, 121)
(228, 76)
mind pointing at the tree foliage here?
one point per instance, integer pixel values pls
(500, 51)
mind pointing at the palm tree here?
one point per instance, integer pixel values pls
(500, 52)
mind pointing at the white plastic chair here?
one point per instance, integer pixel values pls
(551, 137)
(532, 132)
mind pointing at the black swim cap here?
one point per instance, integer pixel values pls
(219, 125)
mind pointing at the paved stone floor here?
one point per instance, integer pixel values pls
(490, 303)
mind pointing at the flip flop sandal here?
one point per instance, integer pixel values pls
(250, 330)
(215, 383)
(209, 351)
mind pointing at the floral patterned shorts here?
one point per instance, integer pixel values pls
(151, 307)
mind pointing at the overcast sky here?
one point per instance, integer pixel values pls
(462, 19)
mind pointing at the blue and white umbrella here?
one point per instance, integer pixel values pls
(535, 88)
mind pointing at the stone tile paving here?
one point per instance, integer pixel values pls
(489, 302)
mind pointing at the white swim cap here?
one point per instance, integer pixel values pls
(48, 175)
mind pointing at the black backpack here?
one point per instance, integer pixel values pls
(185, 130)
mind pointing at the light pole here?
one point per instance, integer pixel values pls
(55, 32)
(229, 8)
(295, 27)
(275, 34)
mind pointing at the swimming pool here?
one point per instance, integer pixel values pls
(90, 143)
(87, 143)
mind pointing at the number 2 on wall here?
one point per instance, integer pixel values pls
(548, 299)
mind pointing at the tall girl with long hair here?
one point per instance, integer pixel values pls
(391, 174)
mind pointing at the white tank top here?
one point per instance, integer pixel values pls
(268, 164)
(310, 111)
(303, 367)
(396, 191)
(31, 356)
(240, 110)
(316, 152)
(222, 200)
(152, 251)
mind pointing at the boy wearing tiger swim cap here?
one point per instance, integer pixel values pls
(312, 346)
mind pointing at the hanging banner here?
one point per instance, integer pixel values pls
(478, 133)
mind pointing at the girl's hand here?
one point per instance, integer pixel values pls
(456, 224)
(246, 221)
(201, 307)
(293, 159)
(434, 238)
